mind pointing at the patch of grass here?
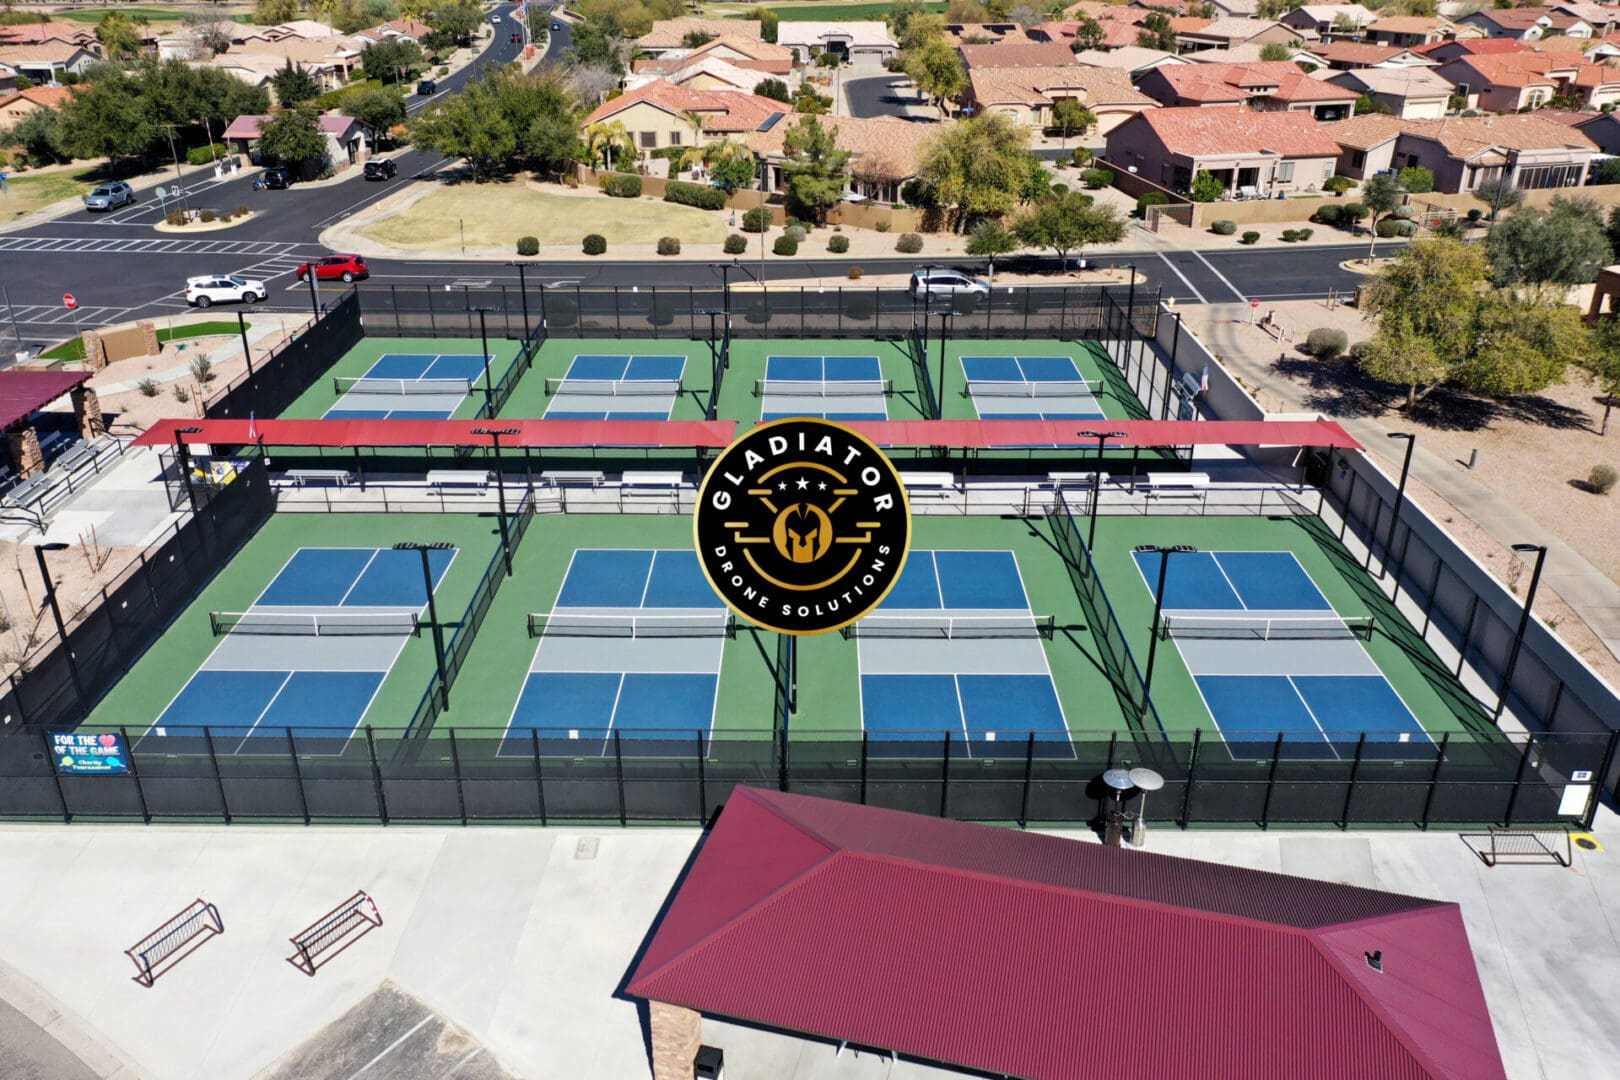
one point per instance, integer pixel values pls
(70, 350)
(834, 12)
(202, 329)
(26, 193)
(494, 213)
(92, 16)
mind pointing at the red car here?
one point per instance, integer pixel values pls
(336, 267)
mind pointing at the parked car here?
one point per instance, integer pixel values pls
(426, 87)
(110, 196)
(277, 176)
(381, 169)
(223, 288)
(339, 267)
(945, 283)
(494, 18)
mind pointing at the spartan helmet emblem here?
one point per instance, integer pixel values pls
(803, 532)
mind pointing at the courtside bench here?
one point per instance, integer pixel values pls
(464, 479)
(332, 477)
(1176, 487)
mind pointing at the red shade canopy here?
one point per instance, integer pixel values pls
(23, 393)
(530, 433)
(985, 434)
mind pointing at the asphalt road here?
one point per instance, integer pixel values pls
(887, 94)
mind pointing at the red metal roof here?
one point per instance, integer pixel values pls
(532, 433)
(22, 393)
(993, 433)
(1054, 959)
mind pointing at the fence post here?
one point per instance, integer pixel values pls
(433, 325)
(618, 763)
(1350, 791)
(1468, 636)
(1192, 777)
(455, 765)
(1029, 769)
(219, 781)
(539, 778)
(945, 777)
(864, 737)
(376, 776)
(298, 774)
(703, 787)
(135, 772)
(56, 777)
(1434, 779)
(1349, 501)
(1433, 596)
(1518, 779)
(1271, 782)
(1603, 772)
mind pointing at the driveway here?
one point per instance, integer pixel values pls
(885, 94)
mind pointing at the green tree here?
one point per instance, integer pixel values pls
(814, 167)
(936, 68)
(1070, 115)
(379, 110)
(1088, 33)
(768, 21)
(455, 21)
(1205, 188)
(910, 23)
(977, 168)
(1499, 194)
(991, 238)
(106, 117)
(274, 12)
(39, 135)
(1557, 247)
(391, 61)
(1068, 222)
(775, 89)
(1155, 33)
(118, 36)
(1037, 180)
(1380, 195)
(1275, 50)
(1612, 231)
(1417, 180)
(293, 137)
(731, 164)
(1365, 105)
(1602, 362)
(293, 85)
(608, 141)
(597, 46)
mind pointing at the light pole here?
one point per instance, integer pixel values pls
(1158, 607)
(523, 294)
(764, 171)
(180, 186)
(314, 289)
(944, 332)
(489, 383)
(182, 461)
(1102, 438)
(1400, 496)
(56, 614)
(500, 487)
(433, 612)
(1524, 622)
(247, 353)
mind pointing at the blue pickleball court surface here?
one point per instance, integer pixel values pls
(1029, 388)
(419, 398)
(616, 387)
(830, 387)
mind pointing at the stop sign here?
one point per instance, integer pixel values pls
(68, 301)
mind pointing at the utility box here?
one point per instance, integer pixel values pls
(710, 1063)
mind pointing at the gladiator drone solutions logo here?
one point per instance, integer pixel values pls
(802, 526)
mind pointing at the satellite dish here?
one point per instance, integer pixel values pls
(1146, 780)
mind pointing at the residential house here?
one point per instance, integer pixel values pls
(404, 31)
(1235, 9)
(661, 114)
(886, 151)
(345, 138)
(331, 61)
(1366, 144)
(51, 33)
(1408, 93)
(44, 65)
(1132, 59)
(8, 78)
(1328, 21)
(851, 41)
(1465, 151)
(1225, 32)
(1270, 86)
(1116, 33)
(1601, 128)
(986, 33)
(740, 52)
(1261, 152)
(1604, 19)
(16, 105)
(1526, 24)
(1407, 31)
(1444, 51)
(1605, 48)
(696, 72)
(668, 35)
(1249, 53)
(1027, 54)
(1349, 55)
(1029, 94)
(1530, 79)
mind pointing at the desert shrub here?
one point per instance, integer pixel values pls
(1251, 237)
(1081, 155)
(243, 211)
(796, 232)
(1474, 214)
(622, 186)
(1338, 184)
(785, 245)
(595, 244)
(856, 273)
(1305, 234)
(859, 306)
(175, 217)
(1152, 198)
(838, 244)
(207, 214)
(561, 311)
(1096, 178)
(883, 226)
(704, 198)
(1352, 212)
(1329, 214)
(1326, 342)
(669, 245)
(1223, 227)
(914, 193)
(1356, 350)
(202, 155)
(1602, 478)
(181, 394)
(202, 369)
(1405, 213)
(1387, 228)
(909, 243)
(147, 387)
(756, 220)
(735, 244)
(528, 245)
(1060, 189)
(1406, 228)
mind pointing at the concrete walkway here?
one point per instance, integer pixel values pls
(1593, 595)
(262, 324)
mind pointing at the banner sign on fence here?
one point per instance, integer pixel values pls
(87, 754)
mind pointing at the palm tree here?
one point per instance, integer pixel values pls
(602, 139)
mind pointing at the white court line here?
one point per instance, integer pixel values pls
(357, 577)
(1214, 557)
(1308, 712)
(260, 718)
(1174, 270)
(607, 739)
(961, 714)
(1200, 256)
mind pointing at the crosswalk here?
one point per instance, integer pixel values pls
(109, 246)
(53, 314)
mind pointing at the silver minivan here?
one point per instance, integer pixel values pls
(109, 196)
(945, 283)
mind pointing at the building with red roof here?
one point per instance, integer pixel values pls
(1035, 956)
(1267, 85)
(1260, 153)
(661, 114)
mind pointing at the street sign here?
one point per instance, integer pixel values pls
(69, 302)
(1254, 303)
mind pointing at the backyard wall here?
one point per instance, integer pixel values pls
(653, 187)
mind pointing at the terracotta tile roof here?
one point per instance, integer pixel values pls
(749, 47)
(1524, 18)
(1464, 136)
(1027, 54)
(1228, 29)
(48, 97)
(1356, 52)
(1206, 132)
(1186, 24)
(1398, 82)
(1475, 47)
(1128, 58)
(39, 33)
(1567, 117)
(885, 147)
(1365, 131)
(868, 33)
(1409, 24)
(722, 110)
(49, 51)
(1277, 80)
(671, 33)
(248, 127)
(1041, 85)
(683, 69)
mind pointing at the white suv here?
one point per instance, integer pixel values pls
(223, 288)
(945, 283)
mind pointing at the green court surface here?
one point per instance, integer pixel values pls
(1426, 686)
(557, 358)
(1116, 402)
(750, 358)
(313, 403)
(142, 695)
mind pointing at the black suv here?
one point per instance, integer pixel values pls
(381, 169)
(426, 87)
(277, 177)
